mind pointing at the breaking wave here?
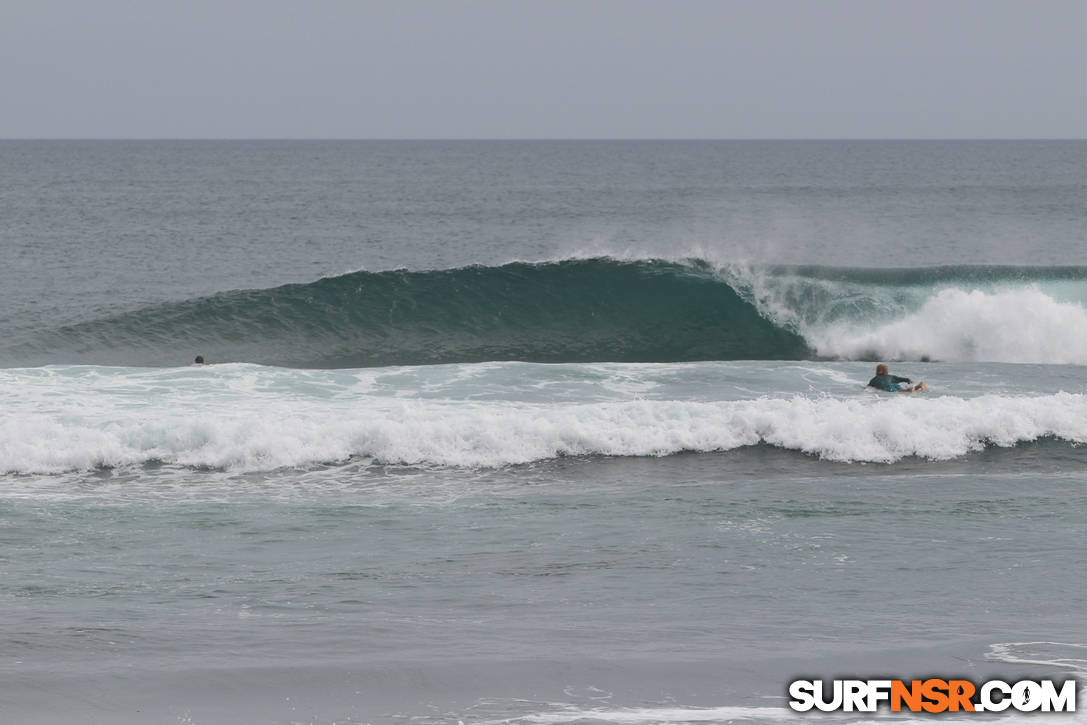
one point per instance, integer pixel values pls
(600, 309)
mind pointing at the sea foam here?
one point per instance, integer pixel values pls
(246, 418)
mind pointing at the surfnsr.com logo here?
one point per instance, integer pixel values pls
(933, 695)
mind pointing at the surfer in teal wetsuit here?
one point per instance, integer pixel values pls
(892, 383)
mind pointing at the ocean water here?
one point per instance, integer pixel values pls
(535, 432)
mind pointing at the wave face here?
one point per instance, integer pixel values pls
(602, 309)
(568, 311)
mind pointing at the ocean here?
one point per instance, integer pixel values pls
(543, 432)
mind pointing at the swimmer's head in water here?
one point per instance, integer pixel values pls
(199, 360)
(881, 369)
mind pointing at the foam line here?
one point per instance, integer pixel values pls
(259, 421)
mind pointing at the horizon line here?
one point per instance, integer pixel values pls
(542, 138)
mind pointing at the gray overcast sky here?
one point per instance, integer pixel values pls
(560, 69)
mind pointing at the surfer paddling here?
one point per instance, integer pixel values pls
(892, 383)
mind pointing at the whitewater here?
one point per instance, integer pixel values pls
(246, 418)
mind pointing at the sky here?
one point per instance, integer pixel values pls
(535, 69)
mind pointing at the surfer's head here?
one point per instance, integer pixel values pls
(199, 360)
(881, 369)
